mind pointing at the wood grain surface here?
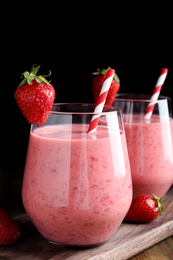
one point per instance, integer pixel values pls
(129, 240)
(161, 251)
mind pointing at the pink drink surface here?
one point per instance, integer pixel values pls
(150, 154)
(76, 189)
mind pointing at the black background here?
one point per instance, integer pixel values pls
(72, 41)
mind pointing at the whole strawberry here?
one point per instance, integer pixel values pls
(35, 96)
(144, 209)
(9, 231)
(97, 83)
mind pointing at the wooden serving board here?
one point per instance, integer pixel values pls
(129, 240)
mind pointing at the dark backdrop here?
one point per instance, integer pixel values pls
(73, 41)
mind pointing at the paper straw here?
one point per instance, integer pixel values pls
(156, 93)
(101, 100)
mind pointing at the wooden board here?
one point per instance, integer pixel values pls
(129, 240)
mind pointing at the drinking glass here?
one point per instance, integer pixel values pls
(77, 186)
(149, 143)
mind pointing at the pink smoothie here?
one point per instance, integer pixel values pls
(76, 188)
(150, 153)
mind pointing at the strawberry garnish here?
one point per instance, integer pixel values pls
(9, 231)
(97, 83)
(144, 209)
(35, 96)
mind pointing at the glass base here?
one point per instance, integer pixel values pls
(75, 246)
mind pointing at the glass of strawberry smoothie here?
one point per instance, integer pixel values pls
(77, 187)
(149, 143)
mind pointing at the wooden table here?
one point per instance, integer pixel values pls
(160, 251)
(129, 240)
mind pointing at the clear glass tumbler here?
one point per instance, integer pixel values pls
(77, 187)
(149, 143)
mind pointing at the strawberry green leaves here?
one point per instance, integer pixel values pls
(29, 77)
(104, 71)
(158, 203)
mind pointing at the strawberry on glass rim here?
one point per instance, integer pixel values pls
(97, 83)
(35, 96)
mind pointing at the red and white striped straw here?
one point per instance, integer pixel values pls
(101, 100)
(156, 93)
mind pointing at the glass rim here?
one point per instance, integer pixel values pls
(136, 97)
(111, 109)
